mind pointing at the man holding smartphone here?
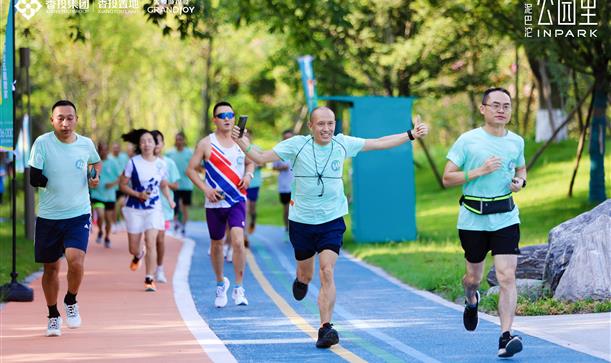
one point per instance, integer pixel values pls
(227, 175)
(318, 202)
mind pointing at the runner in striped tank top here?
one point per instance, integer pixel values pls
(227, 175)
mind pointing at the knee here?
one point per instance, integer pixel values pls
(51, 269)
(326, 274)
(506, 278)
(76, 265)
(471, 281)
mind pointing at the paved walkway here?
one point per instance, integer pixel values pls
(378, 318)
(121, 322)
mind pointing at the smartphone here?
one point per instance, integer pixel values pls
(221, 194)
(92, 173)
(242, 124)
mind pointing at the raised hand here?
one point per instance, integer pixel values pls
(420, 128)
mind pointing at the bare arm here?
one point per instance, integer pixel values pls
(452, 175)
(199, 155)
(165, 189)
(248, 172)
(258, 156)
(390, 141)
(126, 189)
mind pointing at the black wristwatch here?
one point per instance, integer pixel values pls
(410, 135)
(523, 183)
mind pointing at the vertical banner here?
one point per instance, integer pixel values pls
(6, 85)
(22, 150)
(308, 81)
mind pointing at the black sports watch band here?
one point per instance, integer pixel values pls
(523, 183)
(411, 137)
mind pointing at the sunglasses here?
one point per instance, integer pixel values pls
(225, 115)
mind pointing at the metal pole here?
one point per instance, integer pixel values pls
(14, 291)
(30, 217)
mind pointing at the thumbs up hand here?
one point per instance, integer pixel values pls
(420, 128)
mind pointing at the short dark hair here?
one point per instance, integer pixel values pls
(288, 131)
(181, 134)
(219, 104)
(63, 103)
(134, 137)
(157, 133)
(494, 89)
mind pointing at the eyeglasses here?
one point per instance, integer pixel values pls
(497, 106)
(225, 115)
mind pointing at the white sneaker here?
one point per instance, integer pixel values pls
(221, 294)
(73, 318)
(225, 250)
(54, 327)
(238, 296)
(160, 275)
(229, 256)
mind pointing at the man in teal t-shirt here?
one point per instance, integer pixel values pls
(318, 202)
(181, 155)
(103, 197)
(59, 165)
(489, 163)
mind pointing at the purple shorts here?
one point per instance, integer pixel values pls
(218, 219)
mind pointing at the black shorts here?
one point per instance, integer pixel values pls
(309, 239)
(184, 195)
(118, 194)
(53, 236)
(107, 205)
(476, 244)
(285, 198)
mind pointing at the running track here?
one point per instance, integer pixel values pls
(378, 318)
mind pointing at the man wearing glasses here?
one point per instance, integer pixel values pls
(227, 174)
(318, 202)
(489, 163)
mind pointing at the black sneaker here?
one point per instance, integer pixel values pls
(469, 317)
(327, 336)
(509, 345)
(299, 290)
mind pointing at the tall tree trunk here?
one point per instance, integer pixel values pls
(597, 137)
(207, 129)
(580, 145)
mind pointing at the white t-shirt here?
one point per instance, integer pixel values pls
(145, 176)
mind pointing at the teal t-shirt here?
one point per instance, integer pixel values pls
(110, 173)
(65, 165)
(318, 190)
(120, 159)
(471, 151)
(172, 177)
(182, 158)
(256, 180)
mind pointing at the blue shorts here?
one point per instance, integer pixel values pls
(53, 236)
(252, 194)
(309, 239)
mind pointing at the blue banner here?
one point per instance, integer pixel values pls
(6, 85)
(308, 81)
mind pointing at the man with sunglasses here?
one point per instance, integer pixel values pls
(227, 175)
(318, 202)
(489, 163)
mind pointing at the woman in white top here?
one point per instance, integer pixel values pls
(145, 176)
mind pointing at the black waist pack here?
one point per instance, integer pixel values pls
(480, 205)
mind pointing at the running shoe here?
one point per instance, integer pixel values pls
(149, 285)
(99, 238)
(54, 327)
(299, 290)
(469, 316)
(160, 275)
(73, 318)
(107, 242)
(221, 294)
(136, 262)
(509, 345)
(327, 336)
(238, 296)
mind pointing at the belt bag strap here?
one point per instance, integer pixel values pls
(480, 205)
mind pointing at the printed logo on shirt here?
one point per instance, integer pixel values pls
(335, 165)
(511, 165)
(80, 164)
(240, 160)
